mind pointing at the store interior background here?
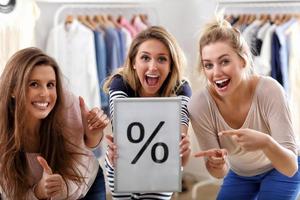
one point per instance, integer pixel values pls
(184, 19)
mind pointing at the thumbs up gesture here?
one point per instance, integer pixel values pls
(50, 185)
(94, 121)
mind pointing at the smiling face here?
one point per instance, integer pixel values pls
(223, 67)
(41, 92)
(152, 65)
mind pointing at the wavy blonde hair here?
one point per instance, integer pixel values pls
(178, 62)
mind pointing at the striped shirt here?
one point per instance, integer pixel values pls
(120, 89)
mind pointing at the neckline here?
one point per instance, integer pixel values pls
(253, 101)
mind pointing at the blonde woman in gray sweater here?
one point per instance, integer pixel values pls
(242, 122)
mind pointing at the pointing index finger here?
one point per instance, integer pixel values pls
(209, 153)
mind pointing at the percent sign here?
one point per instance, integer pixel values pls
(144, 147)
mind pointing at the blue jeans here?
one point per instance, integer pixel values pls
(97, 190)
(269, 185)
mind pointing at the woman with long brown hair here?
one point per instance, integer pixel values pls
(42, 148)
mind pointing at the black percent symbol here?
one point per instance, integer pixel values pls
(147, 143)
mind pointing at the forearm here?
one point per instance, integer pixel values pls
(93, 140)
(283, 160)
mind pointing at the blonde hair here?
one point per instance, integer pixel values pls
(177, 61)
(221, 30)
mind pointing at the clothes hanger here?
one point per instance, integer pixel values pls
(90, 21)
(83, 20)
(287, 17)
(275, 19)
(133, 19)
(69, 19)
(107, 22)
(251, 18)
(144, 18)
(113, 21)
(266, 18)
(241, 20)
(282, 19)
(98, 20)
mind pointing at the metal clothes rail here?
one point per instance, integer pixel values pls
(127, 10)
(248, 6)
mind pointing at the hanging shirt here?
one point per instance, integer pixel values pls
(112, 43)
(101, 64)
(283, 52)
(17, 29)
(263, 63)
(123, 22)
(128, 40)
(73, 48)
(250, 33)
(138, 24)
(122, 50)
(276, 72)
(262, 66)
(294, 74)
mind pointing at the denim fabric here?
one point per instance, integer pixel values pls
(97, 190)
(269, 185)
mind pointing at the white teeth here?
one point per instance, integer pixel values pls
(41, 104)
(221, 81)
(152, 76)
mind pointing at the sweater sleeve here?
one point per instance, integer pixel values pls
(275, 107)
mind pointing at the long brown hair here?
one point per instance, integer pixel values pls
(174, 78)
(54, 146)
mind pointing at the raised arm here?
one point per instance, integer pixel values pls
(94, 121)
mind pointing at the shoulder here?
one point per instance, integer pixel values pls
(119, 84)
(184, 88)
(269, 88)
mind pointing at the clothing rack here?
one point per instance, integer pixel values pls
(236, 7)
(114, 9)
(127, 10)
